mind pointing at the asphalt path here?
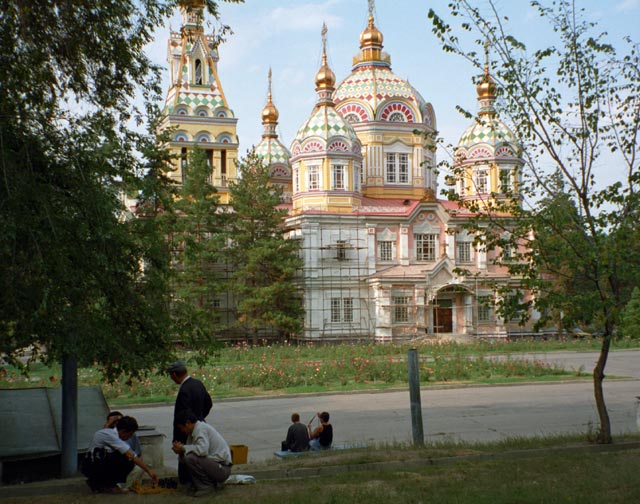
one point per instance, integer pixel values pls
(471, 413)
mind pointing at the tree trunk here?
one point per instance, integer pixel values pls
(604, 432)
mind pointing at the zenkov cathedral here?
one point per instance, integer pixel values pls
(381, 251)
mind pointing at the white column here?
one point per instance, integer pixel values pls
(450, 246)
(404, 245)
(482, 258)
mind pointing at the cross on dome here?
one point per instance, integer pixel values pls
(270, 112)
(325, 78)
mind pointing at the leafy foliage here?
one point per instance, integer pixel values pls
(72, 282)
(197, 243)
(575, 105)
(630, 325)
(264, 261)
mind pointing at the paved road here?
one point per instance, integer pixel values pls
(467, 413)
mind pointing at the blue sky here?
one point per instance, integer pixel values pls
(285, 35)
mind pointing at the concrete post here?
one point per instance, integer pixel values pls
(414, 397)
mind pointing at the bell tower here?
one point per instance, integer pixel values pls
(196, 109)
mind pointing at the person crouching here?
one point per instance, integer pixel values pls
(206, 454)
(111, 459)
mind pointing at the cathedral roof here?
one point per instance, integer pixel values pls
(324, 122)
(488, 130)
(376, 85)
(372, 82)
(491, 131)
(272, 151)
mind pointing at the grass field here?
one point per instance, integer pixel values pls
(533, 470)
(243, 370)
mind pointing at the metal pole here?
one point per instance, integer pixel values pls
(414, 396)
(69, 428)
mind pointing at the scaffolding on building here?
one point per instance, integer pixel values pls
(334, 281)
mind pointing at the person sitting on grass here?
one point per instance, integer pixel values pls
(322, 437)
(206, 455)
(297, 436)
(111, 459)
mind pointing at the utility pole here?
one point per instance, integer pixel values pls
(69, 427)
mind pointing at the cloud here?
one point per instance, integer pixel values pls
(627, 5)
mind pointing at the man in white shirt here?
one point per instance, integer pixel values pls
(206, 454)
(111, 459)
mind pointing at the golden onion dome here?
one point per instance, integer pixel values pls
(325, 78)
(270, 112)
(486, 88)
(371, 36)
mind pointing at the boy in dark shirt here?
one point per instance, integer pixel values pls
(297, 436)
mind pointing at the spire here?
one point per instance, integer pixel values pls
(269, 114)
(371, 42)
(192, 15)
(325, 78)
(486, 88)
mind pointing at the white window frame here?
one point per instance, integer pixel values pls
(461, 186)
(506, 180)
(386, 250)
(341, 310)
(400, 309)
(336, 309)
(485, 309)
(464, 253)
(338, 177)
(481, 180)
(397, 168)
(313, 178)
(426, 246)
(347, 309)
(508, 252)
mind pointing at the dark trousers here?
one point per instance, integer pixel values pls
(106, 469)
(183, 474)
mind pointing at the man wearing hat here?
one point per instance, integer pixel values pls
(192, 396)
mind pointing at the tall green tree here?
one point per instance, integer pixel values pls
(265, 262)
(197, 242)
(73, 285)
(630, 323)
(574, 101)
(71, 281)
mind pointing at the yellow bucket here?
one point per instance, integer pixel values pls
(239, 453)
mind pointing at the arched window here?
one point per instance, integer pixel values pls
(198, 78)
(397, 117)
(183, 164)
(352, 118)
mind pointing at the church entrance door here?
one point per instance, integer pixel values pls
(443, 316)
